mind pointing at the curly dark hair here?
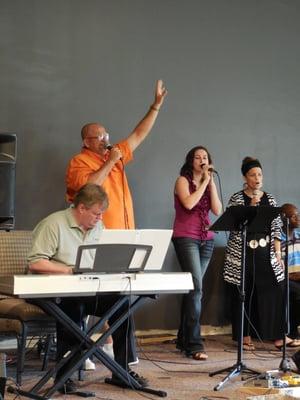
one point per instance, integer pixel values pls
(187, 168)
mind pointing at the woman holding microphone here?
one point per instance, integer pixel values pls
(264, 273)
(195, 195)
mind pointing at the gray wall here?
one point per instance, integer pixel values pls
(231, 67)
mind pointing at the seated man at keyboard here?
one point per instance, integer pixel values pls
(55, 242)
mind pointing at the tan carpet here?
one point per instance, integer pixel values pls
(170, 371)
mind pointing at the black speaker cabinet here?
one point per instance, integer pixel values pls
(7, 180)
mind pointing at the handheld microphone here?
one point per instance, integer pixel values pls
(211, 169)
(255, 193)
(108, 146)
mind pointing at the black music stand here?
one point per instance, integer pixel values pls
(254, 219)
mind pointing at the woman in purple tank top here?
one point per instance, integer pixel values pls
(195, 195)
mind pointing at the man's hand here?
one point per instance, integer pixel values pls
(142, 129)
(160, 94)
(115, 154)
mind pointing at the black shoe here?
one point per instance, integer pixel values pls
(68, 387)
(115, 380)
(179, 347)
(140, 379)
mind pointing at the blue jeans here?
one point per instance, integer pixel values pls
(193, 256)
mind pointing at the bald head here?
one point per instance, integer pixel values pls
(289, 209)
(94, 138)
(292, 214)
(90, 129)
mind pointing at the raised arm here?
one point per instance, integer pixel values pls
(142, 129)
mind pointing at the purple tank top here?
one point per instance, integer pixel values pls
(193, 223)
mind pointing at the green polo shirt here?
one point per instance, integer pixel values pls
(58, 236)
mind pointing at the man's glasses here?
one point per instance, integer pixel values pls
(104, 137)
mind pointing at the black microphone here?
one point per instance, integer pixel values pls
(211, 169)
(108, 147)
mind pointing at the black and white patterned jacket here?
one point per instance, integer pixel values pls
(233, 254)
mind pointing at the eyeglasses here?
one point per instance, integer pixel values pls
(103, 136)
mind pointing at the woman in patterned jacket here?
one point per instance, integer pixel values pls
(264, 274)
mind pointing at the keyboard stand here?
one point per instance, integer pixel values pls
(85, 349)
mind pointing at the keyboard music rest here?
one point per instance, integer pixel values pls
(38, 286)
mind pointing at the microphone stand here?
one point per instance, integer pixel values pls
(285, 362)
(239, 367)
(243, 219)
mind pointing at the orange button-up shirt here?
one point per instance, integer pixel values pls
(119, 214)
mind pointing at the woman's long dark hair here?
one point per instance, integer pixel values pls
(187, 168)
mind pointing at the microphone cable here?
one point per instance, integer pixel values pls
(125, 213)
(221, 198)
(85, 319)
(126, 220)
(220, 190)
(130, 316)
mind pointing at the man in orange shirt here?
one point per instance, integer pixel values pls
(104, 165)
